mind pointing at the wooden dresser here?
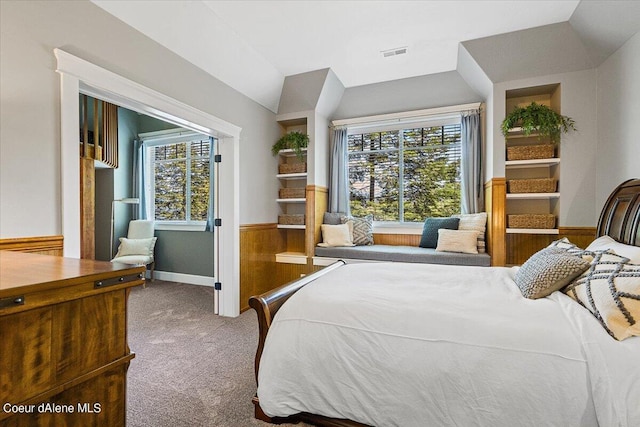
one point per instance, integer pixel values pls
(64, 353)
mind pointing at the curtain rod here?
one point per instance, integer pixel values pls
(407, 114)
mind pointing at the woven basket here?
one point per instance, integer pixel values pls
(292, 168)
(530, 152)
(536, 185)
(531, 221)
(291, 219)
(292, 193)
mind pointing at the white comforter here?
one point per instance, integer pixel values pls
(392, 344)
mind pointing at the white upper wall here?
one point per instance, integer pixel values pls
(540, 51)
(30, 194)
(605, 25)
(414, 93)
(618, 154)
(300, 92)
(193, 31)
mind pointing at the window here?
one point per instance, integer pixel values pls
(407, 174)
(178, 186)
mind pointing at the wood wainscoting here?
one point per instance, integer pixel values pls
(522, 246)
(259, 244)
(495, 193)
(515, 249)
(317, 203)
(43, 245)
(397, 239)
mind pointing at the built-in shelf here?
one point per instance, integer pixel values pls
(291, 200)
(523, 164)
(291, 227)
(290, 153)
(518, 246)
(300, 175)
(516, 133)
(291, 258)
(533, 231)
(532, 196)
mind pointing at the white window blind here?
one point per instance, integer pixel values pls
(403, 173)
(178, 177)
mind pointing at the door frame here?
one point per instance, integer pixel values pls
(80, 76)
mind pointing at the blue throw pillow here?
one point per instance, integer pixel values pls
(430, 231)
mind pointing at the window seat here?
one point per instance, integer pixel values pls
(398, 254)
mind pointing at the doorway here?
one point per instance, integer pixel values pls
(79, 76)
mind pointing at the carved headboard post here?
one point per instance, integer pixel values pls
(620, 217)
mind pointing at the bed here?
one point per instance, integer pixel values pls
(393, 344)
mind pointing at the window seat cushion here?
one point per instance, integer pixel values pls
(404, 254)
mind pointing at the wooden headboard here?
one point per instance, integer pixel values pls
(620, 217)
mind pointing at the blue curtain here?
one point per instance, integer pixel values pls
(339, 173)
(472, 174)
(139, 184)
(210, 212)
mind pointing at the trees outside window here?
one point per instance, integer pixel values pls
(405, 175)
(180, 181)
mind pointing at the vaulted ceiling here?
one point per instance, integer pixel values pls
(253, 45)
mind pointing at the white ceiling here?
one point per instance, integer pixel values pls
(253, 45)
(348, 36)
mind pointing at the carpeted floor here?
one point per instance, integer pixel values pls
(192, 368)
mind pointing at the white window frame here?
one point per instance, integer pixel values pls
(400, 226)
(156, 139)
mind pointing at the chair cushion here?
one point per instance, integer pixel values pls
(136, 247)
(134, 259)
(403, 254)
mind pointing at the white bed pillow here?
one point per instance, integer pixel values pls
(610, 290)
(605, 242)
(465, 241)
(337, 235)
(136, 246)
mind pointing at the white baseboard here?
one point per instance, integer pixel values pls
(190, 279)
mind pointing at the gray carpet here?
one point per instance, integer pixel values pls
(192, 368)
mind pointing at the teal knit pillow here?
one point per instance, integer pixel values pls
(430, 230)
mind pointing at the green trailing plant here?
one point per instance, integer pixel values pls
(295, 141)
(538, 119)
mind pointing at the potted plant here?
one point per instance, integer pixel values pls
(295, 141)
(540, 119)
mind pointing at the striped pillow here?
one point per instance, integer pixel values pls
(476, 222)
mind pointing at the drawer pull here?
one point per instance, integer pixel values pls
(11, 301)
(115, 281)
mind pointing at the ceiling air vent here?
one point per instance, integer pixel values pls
(394, 52)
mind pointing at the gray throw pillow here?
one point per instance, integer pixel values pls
(333, 218)
(430, 230)
(566, 245)
(547, 271)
